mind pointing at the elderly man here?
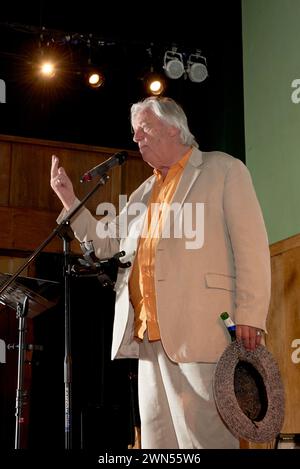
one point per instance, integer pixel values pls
(168, 303)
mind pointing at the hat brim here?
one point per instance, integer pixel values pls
(261, 430)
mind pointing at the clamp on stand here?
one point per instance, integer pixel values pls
(91, 266)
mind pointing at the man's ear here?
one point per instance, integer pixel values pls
(173, 131)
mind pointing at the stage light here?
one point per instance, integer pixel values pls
(173, 64)
(47, 69)
(156, 87)
(197, 67)
(95, 78)
(155, 83)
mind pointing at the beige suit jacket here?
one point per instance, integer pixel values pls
(229, 272)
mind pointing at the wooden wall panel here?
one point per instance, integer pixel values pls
(10, 265)
(29, 207)
(135, 172)
(30, 176)
(5, 160)
(24, 229)
(283, 337)
(283, 325)
(6, 231)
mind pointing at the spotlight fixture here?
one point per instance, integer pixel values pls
(47, 69)
(173, 64)
(155, 83)
(197, 67)
(95, 78)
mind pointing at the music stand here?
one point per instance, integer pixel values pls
(29, 297)
(42, 294)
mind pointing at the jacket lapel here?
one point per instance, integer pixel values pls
(147, 189)
(189, 176)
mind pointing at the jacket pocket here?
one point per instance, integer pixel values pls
(225, 282)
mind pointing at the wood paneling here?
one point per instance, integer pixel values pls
(29, 207)
(25, 229)
(30, 176)
(135, 172)
(285, 245)
(284, 325)
(5, 228)
(5, 151)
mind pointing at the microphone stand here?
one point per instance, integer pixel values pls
(61, 230)
(22, 310)
(68, 355)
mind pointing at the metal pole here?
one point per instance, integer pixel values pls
(22, 310)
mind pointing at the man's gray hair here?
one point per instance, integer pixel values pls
(168, 111)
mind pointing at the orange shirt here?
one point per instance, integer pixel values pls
(141, 283)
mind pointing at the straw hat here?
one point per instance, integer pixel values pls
(249, 393)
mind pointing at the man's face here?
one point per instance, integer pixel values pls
(154, 138)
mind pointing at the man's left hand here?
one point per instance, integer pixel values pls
(250, 336)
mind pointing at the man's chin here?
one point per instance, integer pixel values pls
(148, 162)
(146, 159)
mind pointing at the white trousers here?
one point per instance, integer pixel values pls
(176, 402)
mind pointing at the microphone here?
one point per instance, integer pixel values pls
(102, 168)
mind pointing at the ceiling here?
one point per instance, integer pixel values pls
(120, 37)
